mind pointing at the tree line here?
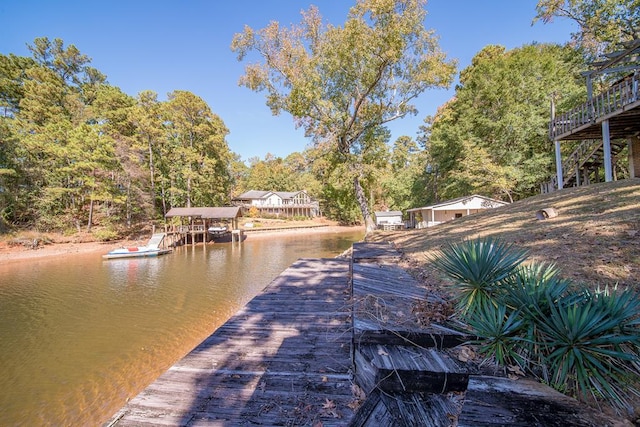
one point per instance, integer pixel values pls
(76, 152)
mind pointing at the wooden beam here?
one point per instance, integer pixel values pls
(606, 140)
(559, 165)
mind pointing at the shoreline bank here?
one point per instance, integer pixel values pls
(13, 254)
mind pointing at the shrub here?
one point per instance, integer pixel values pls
(585, 343)
(478, 269)
(105, 234)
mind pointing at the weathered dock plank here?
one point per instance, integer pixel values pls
(284, 359)
(378, 252)
(496, 401)
(383, 297)
(406, 409)
(401, 369)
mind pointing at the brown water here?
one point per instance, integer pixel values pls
(80, 335)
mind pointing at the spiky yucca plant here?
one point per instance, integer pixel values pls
(586, 343)
(477, 268)
(499, 333)
(585, 350)
(532, 290)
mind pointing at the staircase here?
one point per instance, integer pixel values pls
(582, 166)
(408, 374)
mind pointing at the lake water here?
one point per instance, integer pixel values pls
(80, 335)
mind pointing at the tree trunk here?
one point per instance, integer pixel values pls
(90, 220)
(152, 177)
(370, 226)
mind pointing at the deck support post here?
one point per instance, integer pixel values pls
(606, 146)
(558, 165)
(634, 157)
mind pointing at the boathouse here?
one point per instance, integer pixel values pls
(605, 125)
(429, 216)
(193, 223)
(278, 203)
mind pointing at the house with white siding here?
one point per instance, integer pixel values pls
(278, 203)
(429, 216)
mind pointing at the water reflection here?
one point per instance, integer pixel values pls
(79, 335)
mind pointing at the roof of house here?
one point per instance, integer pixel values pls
(487, 202)
(259, 194)
(382, 214)
(206, 212)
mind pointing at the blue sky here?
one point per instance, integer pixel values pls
(165, 45)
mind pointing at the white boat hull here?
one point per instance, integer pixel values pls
(135, 252)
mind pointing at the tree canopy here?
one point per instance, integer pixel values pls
(604, 26)
(341, 83)
(74, 148)
(76, 151)
(491, 138)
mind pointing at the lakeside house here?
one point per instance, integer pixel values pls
(278, 203)
(428, 216)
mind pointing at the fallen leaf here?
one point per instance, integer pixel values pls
(381, 352)
(516, 370)
(328, 404)
(466, 354)
(358, 392)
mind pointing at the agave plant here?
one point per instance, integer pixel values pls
(498, 333)
(585, 352)
(624, 306)
(477, 268)
(532, 290)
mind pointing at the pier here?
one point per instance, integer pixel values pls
(334, 342)
(284, 359)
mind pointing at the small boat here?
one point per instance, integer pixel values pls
(217, 230)
(151, 249)
(135, 252)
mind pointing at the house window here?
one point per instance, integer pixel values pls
(458, 215)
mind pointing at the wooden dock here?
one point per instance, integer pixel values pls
(284, 359)
(330, 343)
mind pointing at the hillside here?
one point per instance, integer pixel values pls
(595, 239)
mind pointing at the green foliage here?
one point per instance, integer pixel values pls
(585, 349)
(76, 151)
(584, 343)
(492, 138)
(499, 331)
(478, 269)
(343, 82)
(106, 234)
(603, 25)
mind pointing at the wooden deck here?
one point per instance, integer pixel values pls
(284, 359)
(305, 353)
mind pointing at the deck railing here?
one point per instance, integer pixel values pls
(613, 100)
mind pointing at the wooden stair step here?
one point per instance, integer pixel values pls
(368, 332)
(406, 409)
(408, 369)
(498, 401)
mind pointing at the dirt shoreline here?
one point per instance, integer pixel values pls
(12, 254)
